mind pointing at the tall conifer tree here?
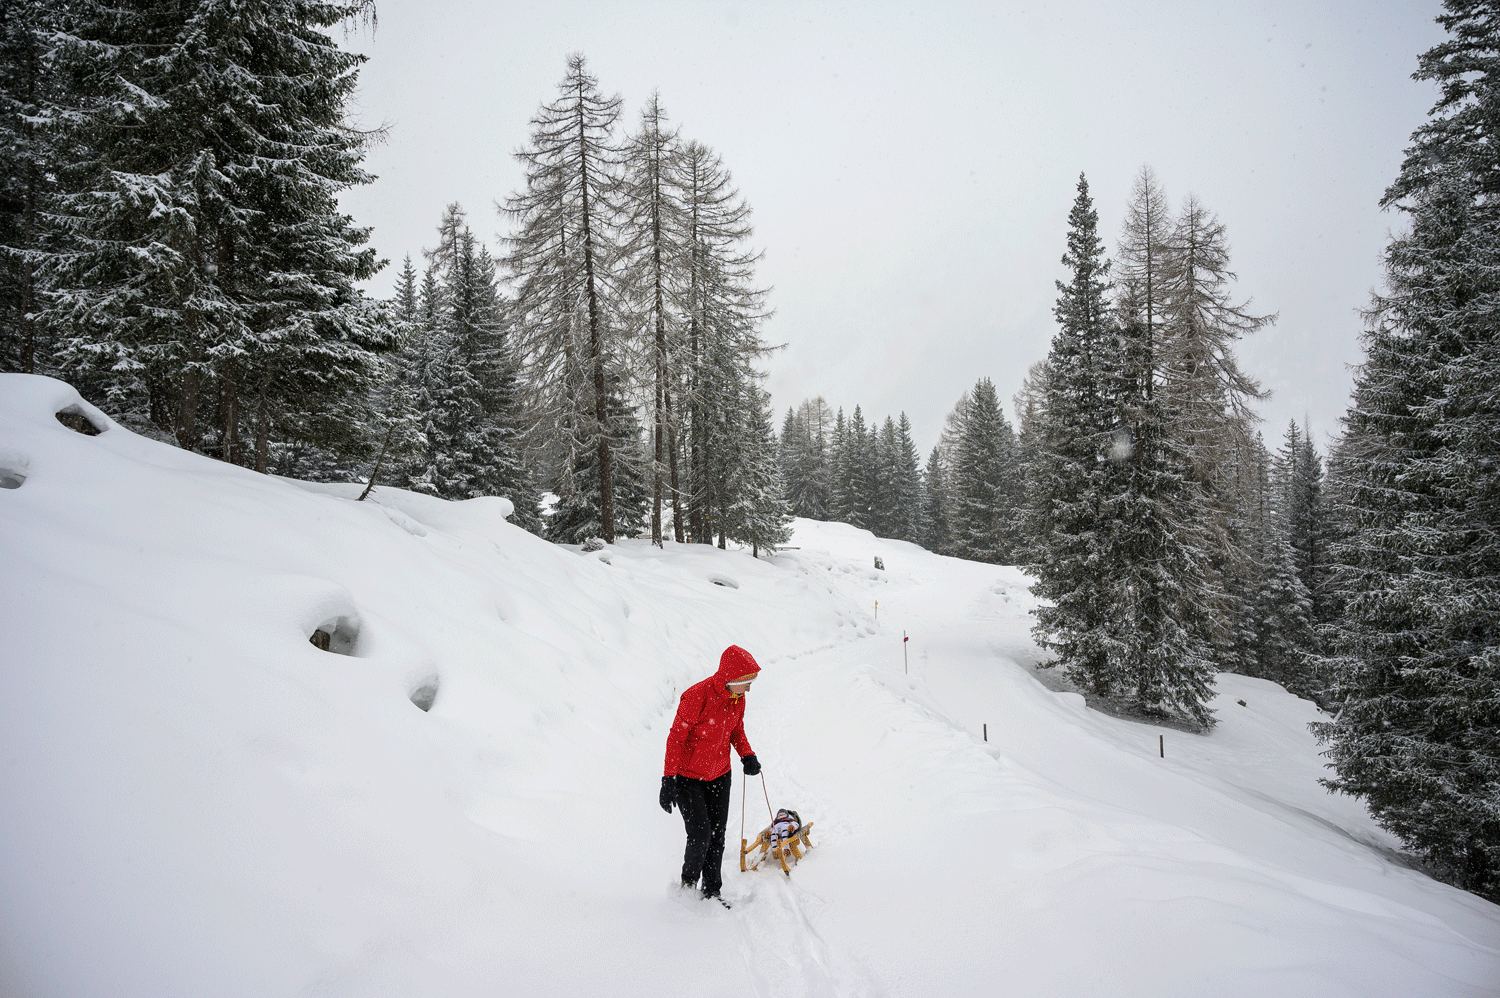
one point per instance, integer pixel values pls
(1070, 479)
(211, 272)
(567, 323)
(1416, 487)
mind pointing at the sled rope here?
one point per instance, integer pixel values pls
(768, 800)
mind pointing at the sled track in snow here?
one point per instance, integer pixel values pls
(783, 952)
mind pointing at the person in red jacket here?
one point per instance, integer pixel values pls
(710, 718)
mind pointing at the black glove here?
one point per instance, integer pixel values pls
(752, 765)
(668, 793)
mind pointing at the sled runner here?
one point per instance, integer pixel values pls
(784, 839)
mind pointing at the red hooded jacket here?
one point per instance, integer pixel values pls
(708, 720)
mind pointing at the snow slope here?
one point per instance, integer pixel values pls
(195, 800)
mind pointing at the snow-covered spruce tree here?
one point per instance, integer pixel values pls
(947, 447)
(1281, 609)
(838, 493)
(723, 310)
(477, 404)
(566, 313)
(1072, 478)
(759, 514)
(983, 482)
(786, 444)
(655, 236)
(425, 354)
(907, 492)
(422, 363)
(868, 480)
(1106, 498)
(407, 300)
(396, 421)
(211, 273)
(1029, 403)
(896, 483)
(849, 503)
(805, 460)
(28, 99)
(882, 478)
(936, 536)
(1415, 488)
(1307, 519)
(1163, 581)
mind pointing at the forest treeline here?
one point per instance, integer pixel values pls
(173, 246)
(171, 243)
(1169, 541)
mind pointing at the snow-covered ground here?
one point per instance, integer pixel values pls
(195, 800)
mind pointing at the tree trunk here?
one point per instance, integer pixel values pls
(661, 352)
(262, 424)
(378, 460)
(677, 524)
(659, 433)
(186, 429)
(229, 446)
(159, 402)
(596, 348)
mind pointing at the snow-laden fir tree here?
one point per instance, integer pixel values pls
(723, 310)
(838, 492)
(407, 299)
(28, 99)
(1415, 487)
(805, 458)
(1029, 402)
(759, 514)
(947, 448)
(567, 324)
(984, 481)
(1281, 608)
(868, 472)
(396, 418)
(210, 281)
(1107, 496)
(1073, 426)
(906, 497)
(1307, 518)
(478, 407)
(936, 536)
(850, 501)
(1163, 581)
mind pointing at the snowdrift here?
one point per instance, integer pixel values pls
(262, 739)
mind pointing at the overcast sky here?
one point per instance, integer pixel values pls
(910, 167)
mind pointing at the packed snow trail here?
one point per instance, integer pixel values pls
(195, 800)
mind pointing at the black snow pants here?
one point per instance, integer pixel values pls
(705, 810)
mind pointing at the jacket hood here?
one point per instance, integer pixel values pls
(734, 663)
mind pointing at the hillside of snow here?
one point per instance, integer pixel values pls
(195, 800)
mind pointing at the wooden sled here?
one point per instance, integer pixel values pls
(786, 849)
